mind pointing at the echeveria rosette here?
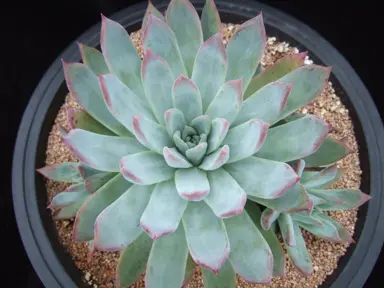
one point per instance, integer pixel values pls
(315, 221)
(170, 148)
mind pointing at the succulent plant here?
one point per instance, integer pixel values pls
(181, 151)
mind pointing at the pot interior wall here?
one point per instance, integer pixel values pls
(227, 18)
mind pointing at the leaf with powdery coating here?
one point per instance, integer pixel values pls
(67, 198)
(159, 37)
(186, 97)
(216, 159)
(330, 152)
(70, 211)
(268, 217)
(63, 172)
(119, 223)
(273, 73)
(226, 198)
(174, 121)
(287, 229)
(202, 124)
(250, 254)
(210, 68)
(95, 182)
(349, 198)
(245, 49)
(192, 184)
(86, 171)
(146, 168)
(185, 23)
(197, 153)
(121, 55)
(129, 271)
(324, 178)
(273, 179)
(342, 231)
(174, 159)
(227, 103)
(157, 81)
(302, 137)
(151, 9)
(167, 261)
(93, 58)
(164, 210)
(94, 205)
(101, 152)
(226, 278)
(246, 139)
(266, 104)
(210, 19)
(78, 118)
(206, 236)
(219, 130)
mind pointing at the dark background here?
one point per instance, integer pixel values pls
(34, 33)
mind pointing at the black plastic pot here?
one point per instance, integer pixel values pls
(55, 267)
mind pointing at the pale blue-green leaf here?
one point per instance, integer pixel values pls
(174, 121)
(186, 97)
(304, 218)
(146, 168)
(94, 205)
(206, 236)
(67, 198)
(189, 271)
(202, 124)
(167, 261)
(185, 23)
(216, 159)
(263, 178)
(294, 140)
(151, 9)
(192, 184)
(121, 55)
(250, 254)
(246, 139)
(347, 198)
(324, 178)
(307, 174)
(299, 167)
(316, 200)
(180, 144)
(197, 153)
(245, 49)
(227, 102)
(159, 37)
(268, 217)
(226, 278)
(84, 86)
(63, 172)
(119, 224)
(174, 159)
(93, 58)
(287, 229)
(210, 68)
(95, 182)
(219, 130)
(157, 81)
(342, 231)
(210, 19)
(226, 198)
(122, 102)
(86, 171)
(164, 210)
(100, 151)
(69, 212)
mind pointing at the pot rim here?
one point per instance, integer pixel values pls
(39, 247)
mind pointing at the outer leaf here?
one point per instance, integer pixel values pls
(83, 85)
(122, 102)
(323, 178)
(86, 171)
(163, 213)
(174, 121)
(268, 217)
(150, 134)
(206, 236)
(226, 277)
(196, 154)
(219, 129)
(266, 104)
(192, 184)
(245, 50)
(159, 37)
(303, 218)
(330, 152)
(294, 140)
(151, 10)
(216, 159)
(93, 58)
(226, 197)
(119, 224)
(185, 23)
(254, 212)
(129, 271)
(70, 211)
(167, 261)
(157, 81)
(210, 68)
(67, 198)
(250, 254)
(282, 67)
(63, 172)
(273, 179)
(299, 254)
(294, 200)
(78, 118)
(86, 216)
(100, 151)
(121, 55)
(95, 182)
(308, 82)
(351, 198)
(252, 134)
(145, 168)
(175, 159)
(210, 19)
(343, 233)
(202, 124)
(227, 103)
(287, 229)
